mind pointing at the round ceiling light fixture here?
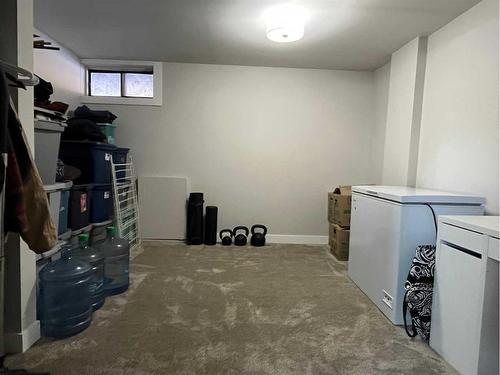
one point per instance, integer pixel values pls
(285, 23)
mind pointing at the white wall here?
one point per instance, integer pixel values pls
(63, 69)
(459, 133)
(264, 144)
(381, 96)
(404, 113)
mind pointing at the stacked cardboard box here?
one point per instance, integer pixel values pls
(339, 217)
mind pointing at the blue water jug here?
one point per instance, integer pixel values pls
(65, 306)
(96, 260)
(116, 252)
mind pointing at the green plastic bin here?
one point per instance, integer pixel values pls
(109, 131)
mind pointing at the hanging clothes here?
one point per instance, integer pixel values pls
(26, 204)
(97, 116)
(4, 117)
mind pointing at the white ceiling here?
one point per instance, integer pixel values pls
(340, 34)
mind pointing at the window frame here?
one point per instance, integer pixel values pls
(123, 66)
(122, 82)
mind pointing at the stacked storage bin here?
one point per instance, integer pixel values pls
(79, 205)
(101, 207)
(47, 143)
(64, 209)
(109, 131)
(57, 195)
(91, 197)
(47, 139)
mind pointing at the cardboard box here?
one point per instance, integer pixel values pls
(339, 206)
(339, 241)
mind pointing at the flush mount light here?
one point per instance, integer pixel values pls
(285, 23)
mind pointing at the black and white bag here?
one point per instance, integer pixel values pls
(418, 296)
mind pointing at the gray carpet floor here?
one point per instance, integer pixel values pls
(282, 309)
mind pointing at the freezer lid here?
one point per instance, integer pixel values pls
(405, 194)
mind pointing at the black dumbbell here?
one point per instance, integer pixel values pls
(258, 238)
(227, 239)
(240, 239)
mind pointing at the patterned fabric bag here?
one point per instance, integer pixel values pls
(418, 296)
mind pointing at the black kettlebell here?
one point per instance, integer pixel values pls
(258, 238)
(240, 239)
(226, 240)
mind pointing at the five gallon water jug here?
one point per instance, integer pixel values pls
(116, 252)
(96, 260)
(64, 304)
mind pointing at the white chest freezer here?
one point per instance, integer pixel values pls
(387, 224)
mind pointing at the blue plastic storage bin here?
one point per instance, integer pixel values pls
(65, 304)
(101, 203)
(79, 206)
(64, 209)
(93, 159)
(120, 157)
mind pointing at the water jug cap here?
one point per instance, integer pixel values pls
(66, 251)
(111, 231)
(83, 238)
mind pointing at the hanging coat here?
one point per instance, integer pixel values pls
(26, 205)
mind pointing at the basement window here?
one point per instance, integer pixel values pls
(123, 82)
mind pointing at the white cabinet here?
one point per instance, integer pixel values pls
(464, 327)
(456, 308)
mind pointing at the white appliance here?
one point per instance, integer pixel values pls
(387, 224)
(465, 301)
